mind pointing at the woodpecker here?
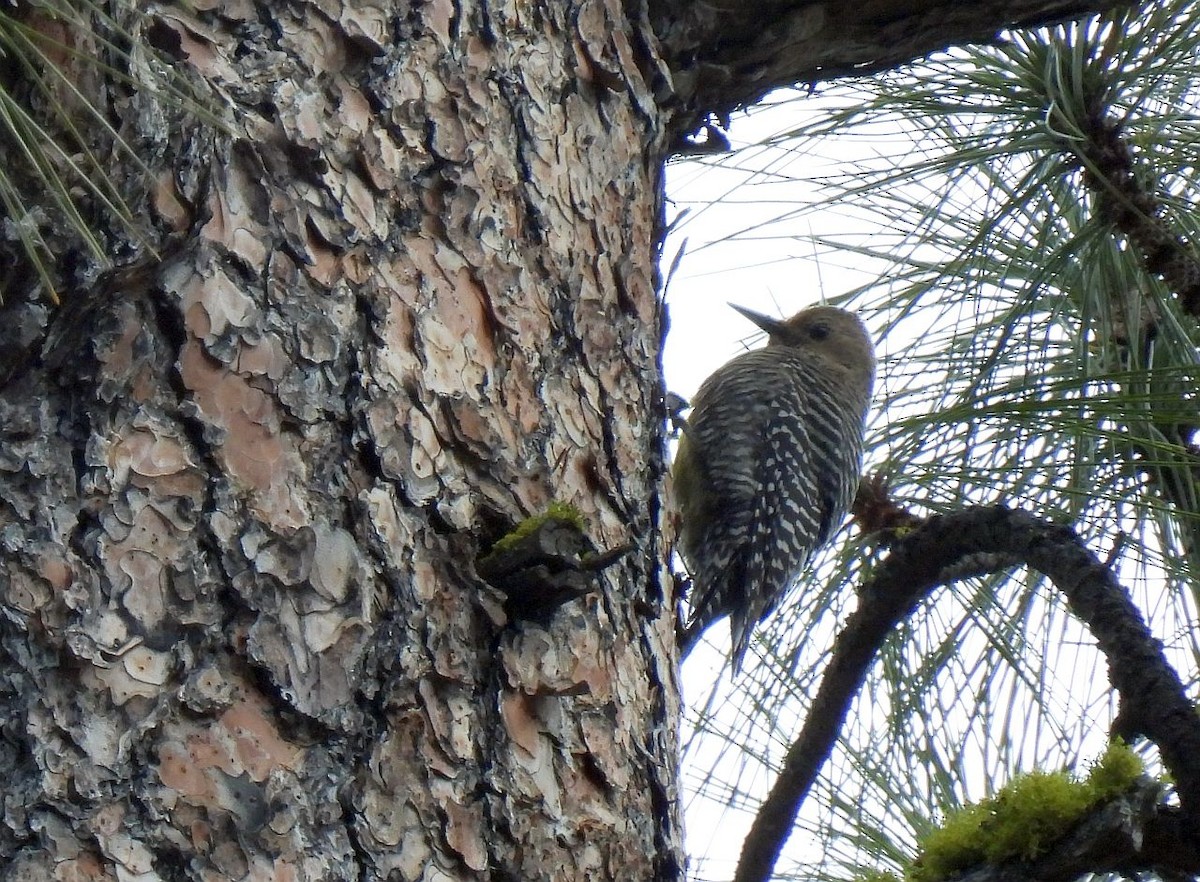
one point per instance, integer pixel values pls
(768, 465)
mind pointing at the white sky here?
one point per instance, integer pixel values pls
(768, 276)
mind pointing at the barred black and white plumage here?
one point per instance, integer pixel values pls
(768, 465)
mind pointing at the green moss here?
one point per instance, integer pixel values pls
(1115, 771)
(555, 511)
(1023, 819)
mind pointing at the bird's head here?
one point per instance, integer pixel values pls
(833, 334)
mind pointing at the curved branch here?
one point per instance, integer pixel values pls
(723, 55)
(952, 547)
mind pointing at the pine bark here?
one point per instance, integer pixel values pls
(405, 298)
(408, 302)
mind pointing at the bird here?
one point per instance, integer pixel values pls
(767, 465)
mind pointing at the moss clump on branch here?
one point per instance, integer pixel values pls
(1023, 819)
(545, 561)
(555, 511)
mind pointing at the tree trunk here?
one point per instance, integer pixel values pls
(405, 301)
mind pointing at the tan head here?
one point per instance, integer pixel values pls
(833, 334)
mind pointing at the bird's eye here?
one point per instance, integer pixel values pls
(818, 332)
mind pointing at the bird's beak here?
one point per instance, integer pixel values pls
(765, 322)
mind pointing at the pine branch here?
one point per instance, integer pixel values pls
(1128, 206)
(973, 542)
